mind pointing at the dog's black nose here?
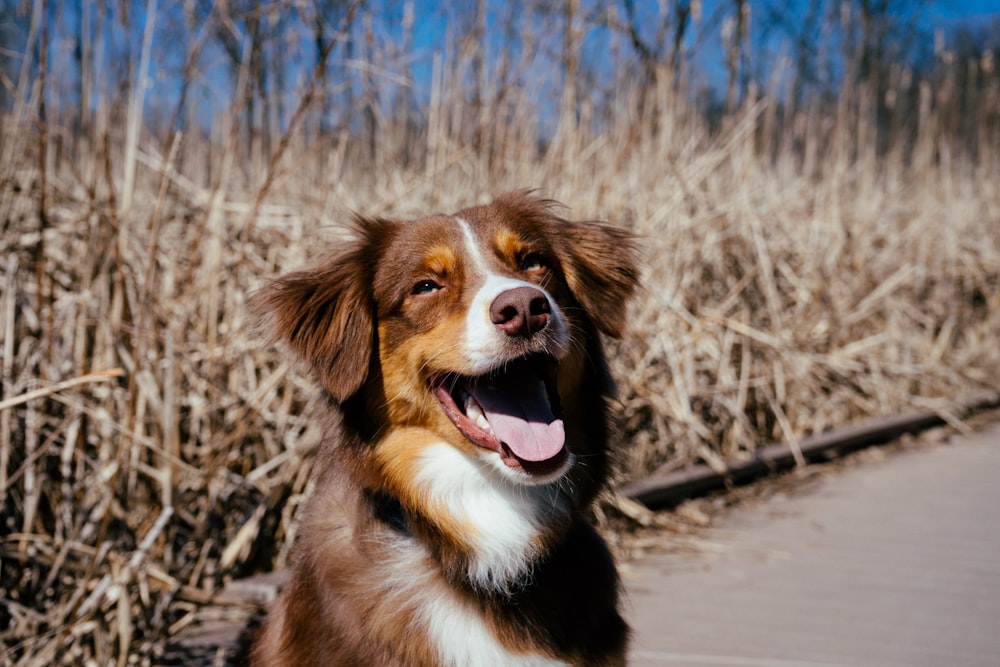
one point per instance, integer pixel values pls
(521, 312)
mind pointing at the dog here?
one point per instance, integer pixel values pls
(467, 436)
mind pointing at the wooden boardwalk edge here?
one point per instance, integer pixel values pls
(220, 633)
(661, 491)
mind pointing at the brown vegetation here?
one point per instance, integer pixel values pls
(813, 256)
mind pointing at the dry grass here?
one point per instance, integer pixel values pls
(150, 449)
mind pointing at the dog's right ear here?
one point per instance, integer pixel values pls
(327, 314)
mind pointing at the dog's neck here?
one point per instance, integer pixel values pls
(388, 510)
(486, 531)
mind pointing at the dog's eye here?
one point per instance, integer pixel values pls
(424, 287)
(534, 263)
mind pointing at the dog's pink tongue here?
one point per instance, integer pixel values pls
(517, 407)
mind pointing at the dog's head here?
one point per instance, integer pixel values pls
(475, 327)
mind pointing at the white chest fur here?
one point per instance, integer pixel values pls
(504, 520)
(464, 640)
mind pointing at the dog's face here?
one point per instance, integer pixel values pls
(470, 327)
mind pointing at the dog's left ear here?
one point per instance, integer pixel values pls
(600, 264)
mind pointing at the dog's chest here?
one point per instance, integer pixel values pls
(463, 638)
(502, 523)
(502, 526)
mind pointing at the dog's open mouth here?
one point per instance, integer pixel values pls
(512, 410)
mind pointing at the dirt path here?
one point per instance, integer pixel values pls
(895, 562)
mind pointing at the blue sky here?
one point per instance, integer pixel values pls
(436, 23)
(955, 9)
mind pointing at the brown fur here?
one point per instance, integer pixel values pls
(374, 545)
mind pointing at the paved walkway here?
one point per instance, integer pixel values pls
(895, 562)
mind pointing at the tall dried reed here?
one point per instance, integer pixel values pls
(796, 278)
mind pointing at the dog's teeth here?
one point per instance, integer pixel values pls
(482, 423)
(475, 414)
(473, 411)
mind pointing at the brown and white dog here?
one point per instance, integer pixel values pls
(468, 435)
